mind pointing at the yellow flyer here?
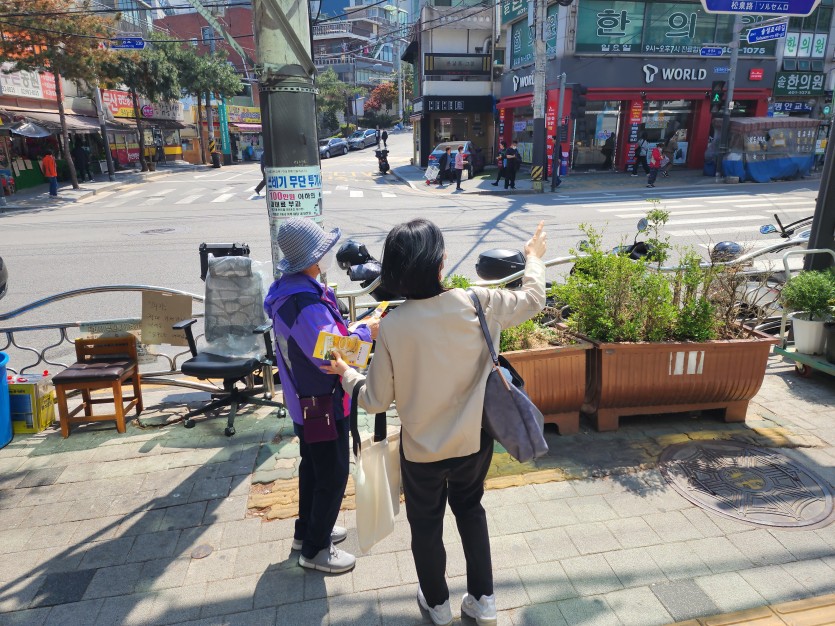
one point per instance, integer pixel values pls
(354, 351)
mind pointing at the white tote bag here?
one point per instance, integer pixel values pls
(376, 479)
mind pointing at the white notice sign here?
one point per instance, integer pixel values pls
(294, 191)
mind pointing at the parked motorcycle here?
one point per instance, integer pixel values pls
(362, 268)
(382, 160)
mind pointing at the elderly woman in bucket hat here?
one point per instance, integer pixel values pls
(300, 307)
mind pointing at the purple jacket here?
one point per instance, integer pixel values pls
(300, 307)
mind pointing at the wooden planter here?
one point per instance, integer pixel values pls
(651, 378)
(555, 380)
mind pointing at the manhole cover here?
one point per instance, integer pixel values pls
(747, 483)
(202, 551)
(157, 231)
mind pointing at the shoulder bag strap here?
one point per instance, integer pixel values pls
(486, 332)
(380, 428)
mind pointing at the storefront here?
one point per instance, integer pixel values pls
(245, 129)
(452, 118)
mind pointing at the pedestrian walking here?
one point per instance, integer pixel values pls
(300, 307)
(443, 166)
(50, 172)
(431, 359)
(378, 136)
(556, 162)
(81, 161)
(514, 161)
(669, 151)
(460, 163)
(654, 164)
(641, 153)
(385, 137)
(501, 162)
(608, 151)
(263, 182)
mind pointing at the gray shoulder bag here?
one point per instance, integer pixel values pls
(509, 415)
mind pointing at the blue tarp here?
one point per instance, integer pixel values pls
(770, 169)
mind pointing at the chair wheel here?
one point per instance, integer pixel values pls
(188, 423)
(230, 430)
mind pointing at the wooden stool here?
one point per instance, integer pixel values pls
(100, 364)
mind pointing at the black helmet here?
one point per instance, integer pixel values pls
(726, 251)
(351, 253)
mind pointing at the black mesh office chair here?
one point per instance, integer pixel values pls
(234, 318)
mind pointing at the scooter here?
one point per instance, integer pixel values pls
(382, 160)
(362, 268)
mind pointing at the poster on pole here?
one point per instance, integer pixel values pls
(294, 191)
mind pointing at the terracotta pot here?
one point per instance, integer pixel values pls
(651, 378)
(555, 380)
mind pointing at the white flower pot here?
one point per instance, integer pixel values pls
(809, 336)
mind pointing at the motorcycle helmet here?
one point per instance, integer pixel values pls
(499, 263)
(352, 253)
(726, 251)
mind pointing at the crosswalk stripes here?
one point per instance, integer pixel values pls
(223, 197)
(356, 193)
(189, 199)
(226, 194)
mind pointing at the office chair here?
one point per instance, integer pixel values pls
(234, 318)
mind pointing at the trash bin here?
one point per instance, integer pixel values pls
(215, 159)
(829, 333)
(5, 411)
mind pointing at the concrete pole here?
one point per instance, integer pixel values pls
(288, 113)
(557, 157)
(823, 223)
(111, 170)
(210, 122)
(540, 61)
(729, 93)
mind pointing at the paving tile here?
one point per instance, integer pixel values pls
(58, 535)
(546, 614)
(551, 513)
(593, 508)
(672, 526)
(704, 523)
(183, 516)
(219, 565)
(761, 547)
(360, 608)
(590, 575)
(16, 539)
(97, 529)
(592, 538)
(813, 574)
(162, 574)
(774, 584)
(730, 592)
(89, 508)
(635, 567)
(376, 572)
(259, 617)
(241, 533)
(61, 559)
(308, 613)
(555, 491)
(596, 486)
(258, 558)
(107, 553)
(399, 538)
(15, 517)
(190, 538)
(507, 586)
(684, 600)
(19, 594)
(399, 607)
(804, 544)
(281, 529)
(319, 585)
(678, 561)
(280, 588)
(132, 610)
(720, 555)
(588, 612)
(629, 504)
(210, 488)
(508, 520)
(41, 477)
(633, 532)
(113, 581)
(406, 566)
(154, 546)
(62, 588)
(494, 498)
(225, 510)
(30, 617)
(638, 607)
(141, 522)
(551, 545)
(546, 582)
(19, 564)
(229, 596)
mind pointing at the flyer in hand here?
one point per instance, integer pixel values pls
(354, 351)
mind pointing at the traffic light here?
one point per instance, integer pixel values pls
(717, 96)
(578, 101)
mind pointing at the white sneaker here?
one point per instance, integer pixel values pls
(482, 611)
(338, 534)
(441, 615)
(331, 560)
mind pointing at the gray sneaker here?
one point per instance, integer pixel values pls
(338, 534)
(331, 560)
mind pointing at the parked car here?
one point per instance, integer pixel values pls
(362, 139)
(4, 278)
(332, 147)
(472, 153)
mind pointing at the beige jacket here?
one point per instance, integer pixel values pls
(432, 361)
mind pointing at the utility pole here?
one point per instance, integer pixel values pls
(111, 170)
(823, 223)
(556, 157)
(288, 113)
(210, 122)
(729, 94)
(539, 151)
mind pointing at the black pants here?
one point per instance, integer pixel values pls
(323, 474)
(510, 176)
(607, 164)
(261, 185)
(653, 174)
(427, 487)
(500, 174)
(642, 161)
(458, 177)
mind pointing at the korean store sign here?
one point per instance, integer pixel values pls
(522, 36)
(799, 84)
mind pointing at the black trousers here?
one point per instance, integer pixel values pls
(653, 175)
(427, 486)
(642, 161)
(457, 175)
(500, 174)
(510, 176)
(323, 474)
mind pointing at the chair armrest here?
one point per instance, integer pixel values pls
(264, 329)
(186, 325)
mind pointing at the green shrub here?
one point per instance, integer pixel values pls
(810, 291)
(457, 281)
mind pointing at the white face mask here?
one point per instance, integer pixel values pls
(327, 261)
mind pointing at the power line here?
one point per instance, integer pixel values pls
(134, 9)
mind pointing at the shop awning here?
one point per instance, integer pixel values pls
(29, 129)
(246, 128)
(410, 53)
(47, 119)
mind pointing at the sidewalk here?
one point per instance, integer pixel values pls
(38, 197)
(102, 528)
(575, 182)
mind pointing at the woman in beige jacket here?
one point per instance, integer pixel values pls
(432, 361)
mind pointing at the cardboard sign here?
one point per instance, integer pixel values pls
(160, 311)
(119, 328)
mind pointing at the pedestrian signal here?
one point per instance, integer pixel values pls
(578, 101)
(717, 96)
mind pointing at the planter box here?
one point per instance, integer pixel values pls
(555, 380)
(651, 378)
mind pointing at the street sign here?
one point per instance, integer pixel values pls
(711, 51)
(767, 33)
(128, 43)
(762, 7)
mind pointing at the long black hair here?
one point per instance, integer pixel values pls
(412, 258)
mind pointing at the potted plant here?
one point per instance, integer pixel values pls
(809, 296)
(664, 342)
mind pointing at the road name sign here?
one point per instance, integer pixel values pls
(128, 43)
(766, 33)
(762, 7)
(711, 51)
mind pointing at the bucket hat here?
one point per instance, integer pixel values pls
(303, 243)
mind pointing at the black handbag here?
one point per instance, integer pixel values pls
(509, 415)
